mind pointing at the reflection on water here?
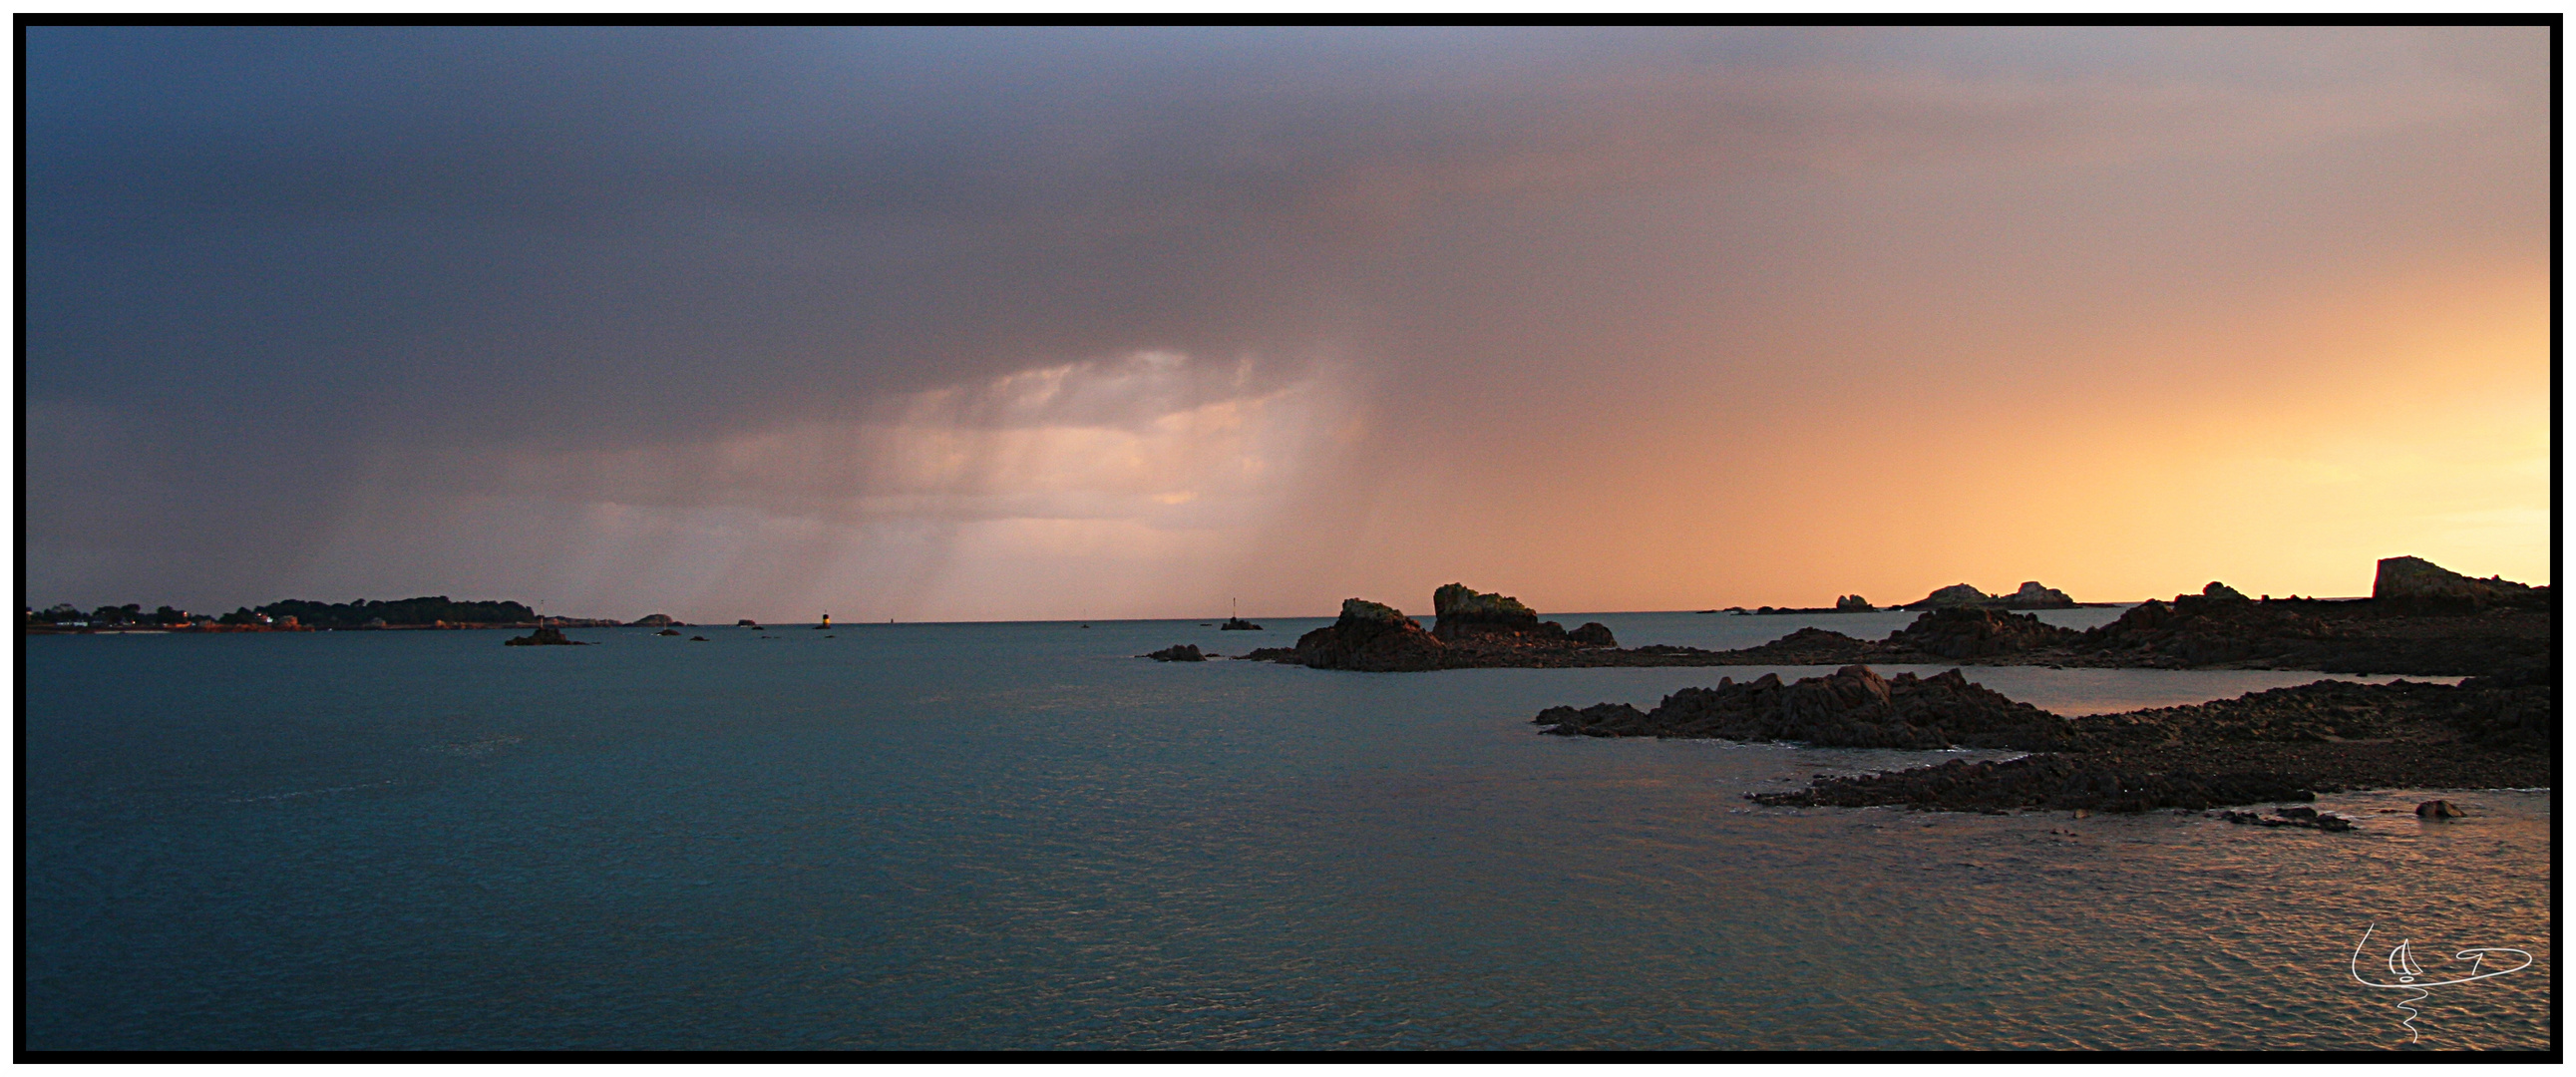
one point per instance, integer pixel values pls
(1019, 836)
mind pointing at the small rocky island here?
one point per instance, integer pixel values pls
(2287, 744)
(543, 637)
(2420, 620)
(1472, 629)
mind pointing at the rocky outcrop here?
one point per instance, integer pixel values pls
(1178, 652)
(2217, 626)
(1370, 637)
(2032, 596)
(1592, 634)
(1238, 624)
(1957, 594)
(656, 620)
(1464, 613)
(2422, 586)
(1852, 604)
(2283, 744)
(2221, 627)
(1853, 708)
(543, 637)
(668, 632)
(1960, 633)
(2439, 809)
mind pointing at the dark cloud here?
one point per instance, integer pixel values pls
(303, 275)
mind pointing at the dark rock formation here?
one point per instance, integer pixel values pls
(697, 639)
(1592, 634)
(1804, 647)
(1178, 652)
(2032, 596)
(1966, 632)
(1370, 637)
(1238, 624)
(2295, 815)
(1465, 614)
(2439, 809)
(1852, 604)
(543, 637)
(668, 632)
(2286, 744)
(656, 620)
(746, 623)
(1853, 708)
(2220, 627)
(1957, 594)
(2420, 586)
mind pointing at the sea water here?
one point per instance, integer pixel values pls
(1023, 836)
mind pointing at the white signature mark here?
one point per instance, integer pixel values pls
(2410, 976)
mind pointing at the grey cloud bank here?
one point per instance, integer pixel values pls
(1030, 323)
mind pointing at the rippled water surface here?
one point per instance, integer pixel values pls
(978, 836)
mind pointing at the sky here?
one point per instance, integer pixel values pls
(1002, 324)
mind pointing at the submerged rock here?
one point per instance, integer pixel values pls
(668, 632)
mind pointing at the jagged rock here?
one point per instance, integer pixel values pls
(1592, 634)
(1370, 637)
(1957, 594)
(543, 637)
(654, 620)
(1964, 632)
(2220, 592)
(1852, 604)
(1178, 652)
(2439, 809)
(1852, 708)
(2423, 586)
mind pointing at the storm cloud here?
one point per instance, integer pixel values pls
(1044, 323)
